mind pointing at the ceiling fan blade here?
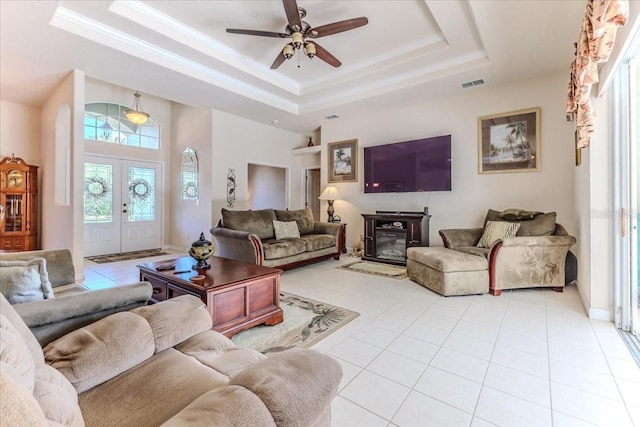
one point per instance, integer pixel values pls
(257, 33)
(293, 15)
(279, 60)
(324, 54)
(337, 27)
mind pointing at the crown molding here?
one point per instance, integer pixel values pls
(79, 25)
(161, 23)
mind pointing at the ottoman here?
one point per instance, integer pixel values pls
(448, 272)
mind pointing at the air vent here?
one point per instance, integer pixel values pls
(331, 117)
(473, 83)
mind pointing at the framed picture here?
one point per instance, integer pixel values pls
(509, 142)
(343, 161)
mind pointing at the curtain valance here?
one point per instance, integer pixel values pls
(597, 35)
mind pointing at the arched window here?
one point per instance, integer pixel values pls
(106, 122)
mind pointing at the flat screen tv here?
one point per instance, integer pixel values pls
(410, 166)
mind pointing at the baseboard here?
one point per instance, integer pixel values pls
(593, 313)
(583, 299)
(599, 314)
(175, 248)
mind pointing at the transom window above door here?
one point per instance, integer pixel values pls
(106, 122)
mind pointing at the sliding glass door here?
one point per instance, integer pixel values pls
(626, 135)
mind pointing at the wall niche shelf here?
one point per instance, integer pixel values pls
(306, 150)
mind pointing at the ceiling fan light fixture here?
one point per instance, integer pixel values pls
(310, 49)
(296, 39)
(136, 115)
(288, 50)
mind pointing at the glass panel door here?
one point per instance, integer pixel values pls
(101, 197)
(141, 227)
(121, 206)
(626, 134)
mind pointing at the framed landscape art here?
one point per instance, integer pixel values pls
(509, 142)
(343, 161)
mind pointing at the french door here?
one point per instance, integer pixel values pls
(122, 200)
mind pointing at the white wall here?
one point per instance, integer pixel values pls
(191, 127)
(238, 142)
(551, 189)
(62, 226)
(595, 208)
(20, 135)
(20, 132)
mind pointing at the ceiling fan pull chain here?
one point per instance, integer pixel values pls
(299, 58)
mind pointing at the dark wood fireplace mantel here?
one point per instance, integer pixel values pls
(388, 234)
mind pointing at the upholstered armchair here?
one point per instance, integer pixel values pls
(534, 257)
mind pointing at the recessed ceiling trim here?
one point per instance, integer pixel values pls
(80, 25)
(415, 77)
(381, 62)
(165, 25)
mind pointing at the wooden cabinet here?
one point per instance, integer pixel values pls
(19, 201)
(387, 235)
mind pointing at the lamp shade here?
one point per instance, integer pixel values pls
(330, 193)
(136, 115)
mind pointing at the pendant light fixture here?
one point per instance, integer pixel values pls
(136, 115)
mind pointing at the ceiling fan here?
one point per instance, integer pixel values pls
(303, 36)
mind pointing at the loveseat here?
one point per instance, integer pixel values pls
(56, 304)
(157, 365)
(277, 238)
(534, 257)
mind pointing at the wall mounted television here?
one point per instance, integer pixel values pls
(410, 166)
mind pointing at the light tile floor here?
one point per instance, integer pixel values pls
(414, 358)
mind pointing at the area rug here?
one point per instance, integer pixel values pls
(377, 269)
(126, 256)
(305, 323)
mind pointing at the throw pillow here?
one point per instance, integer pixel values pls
(25, 281)
(304, 218)
(495, 231)
(542, 225)
(286, 230)
(518, 214)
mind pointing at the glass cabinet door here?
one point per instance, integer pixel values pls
(14, 215)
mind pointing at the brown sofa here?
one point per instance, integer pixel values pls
(535, 257)
(157, 365)
(250, 236)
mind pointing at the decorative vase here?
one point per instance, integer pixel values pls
(310, 143)
(201, 250)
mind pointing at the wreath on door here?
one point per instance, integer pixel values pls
(97, 187)
(140, 189)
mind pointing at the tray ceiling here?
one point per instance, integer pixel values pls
(180, 50)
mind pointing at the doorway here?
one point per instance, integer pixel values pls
(122, 200)
(311, 190)
(266, 186)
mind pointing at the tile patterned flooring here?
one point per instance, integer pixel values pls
(414, 358)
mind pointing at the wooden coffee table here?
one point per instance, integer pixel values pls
(238, 295)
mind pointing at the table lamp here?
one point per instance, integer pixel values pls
(330, 194)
